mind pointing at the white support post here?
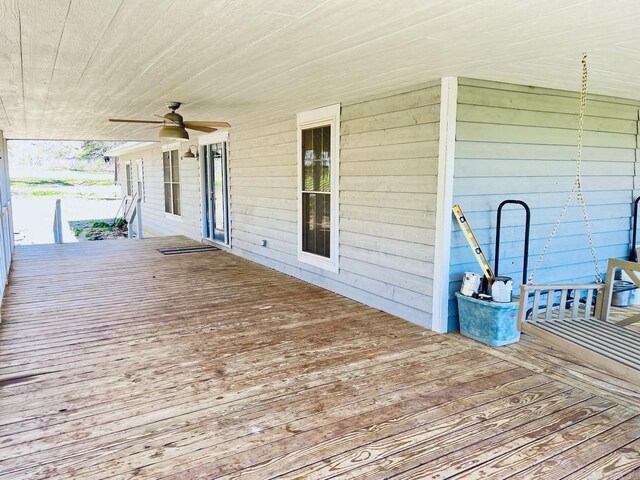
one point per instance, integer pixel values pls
(57, 223)
(139, 218)
(444, 203)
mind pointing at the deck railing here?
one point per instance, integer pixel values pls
(135, 213)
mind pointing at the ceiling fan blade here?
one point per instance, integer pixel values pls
(207, 124)
(200, 129)
(122, 120)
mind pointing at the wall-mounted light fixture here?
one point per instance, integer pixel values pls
(189, 153)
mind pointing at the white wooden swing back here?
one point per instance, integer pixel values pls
(565, 315)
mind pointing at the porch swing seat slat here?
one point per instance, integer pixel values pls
(580, 329)
(609, 341)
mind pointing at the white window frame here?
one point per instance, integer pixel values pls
(140, 178)
(168, 148)
(319, 117)
(128, 182)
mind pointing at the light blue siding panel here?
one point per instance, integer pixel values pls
(532, 159)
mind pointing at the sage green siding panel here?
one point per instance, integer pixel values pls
(520, 151)
(396, 119)
(389, 152)
(391, 200)
(512, 87)
(487, 132)
(474, 167)
(539, 102)
(388, 104)
(396, 183)
(391, 136)
(407, 167)
(387, 198)
(509, 116)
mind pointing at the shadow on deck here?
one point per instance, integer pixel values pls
(120, 362)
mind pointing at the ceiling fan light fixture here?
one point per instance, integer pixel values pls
(174, 132)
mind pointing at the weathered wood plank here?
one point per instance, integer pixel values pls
(243, 375)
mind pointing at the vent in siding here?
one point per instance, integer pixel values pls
(194, 249)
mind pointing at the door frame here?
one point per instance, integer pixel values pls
(221, 136)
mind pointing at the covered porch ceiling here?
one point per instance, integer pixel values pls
(68, 65)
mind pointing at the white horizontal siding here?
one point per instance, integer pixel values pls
(388, 167)
(154, 218)
(518, 142)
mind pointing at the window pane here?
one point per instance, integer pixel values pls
(175, 166)
(325, 177)
(176, 199)
(167, 197)
(128, 178)
(167, 166)
(218, 190)
(316, 157)
(316, 224)
(307, 159)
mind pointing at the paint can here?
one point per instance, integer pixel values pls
(470, 284)
(622, 290)
(501, 289)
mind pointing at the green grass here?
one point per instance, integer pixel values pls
(31, 182)
(44, 193)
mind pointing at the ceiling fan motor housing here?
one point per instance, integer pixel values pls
(174, 117)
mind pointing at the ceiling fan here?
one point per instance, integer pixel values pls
(174, 126)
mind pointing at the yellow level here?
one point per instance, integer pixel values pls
(473, 243)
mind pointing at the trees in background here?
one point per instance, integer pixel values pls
(85, 155)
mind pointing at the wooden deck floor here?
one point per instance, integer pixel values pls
(119, 362)
(626, 316)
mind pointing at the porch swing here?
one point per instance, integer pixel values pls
(574, 317)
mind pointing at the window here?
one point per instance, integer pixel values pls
(318, 190)
(171, 164)
(128, 180)
(140, 179)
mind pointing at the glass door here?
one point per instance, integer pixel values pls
(216, 215)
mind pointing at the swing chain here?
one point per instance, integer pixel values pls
(575, 189)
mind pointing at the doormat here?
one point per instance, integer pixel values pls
(193, 249)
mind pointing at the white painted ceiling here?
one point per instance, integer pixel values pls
(68, 65)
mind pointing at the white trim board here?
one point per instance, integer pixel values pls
(215, 137)
(444, 203)
(129, 147)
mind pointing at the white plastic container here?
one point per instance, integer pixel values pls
(501, 289)
(470, 284)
